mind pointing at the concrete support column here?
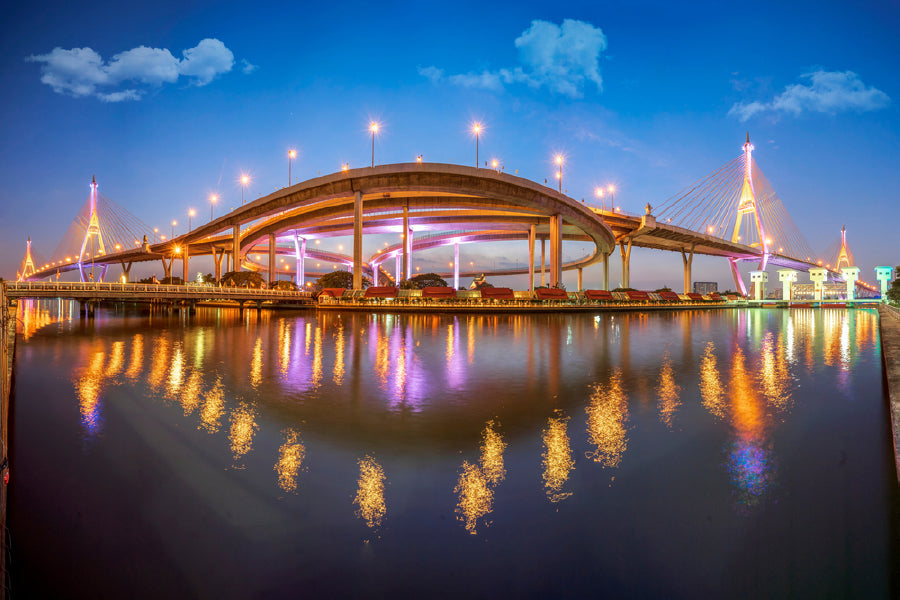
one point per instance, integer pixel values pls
(606, 271)
(818, 276)
(406, 243)
(787, 277)
(236, 248)
(409, 265)
(555, 250)
(273, 266)
(759, 280)
(625, 251)
(374, 274)
(883, 275)
(357, 240)
(185, 263)
(126, 270)
(738, 282)
(218, 254)
(456, 266)
(531, 258)
(580, 279)
(397, 275)
(850, 274)
(300, 255)
(543, 261)
(687, 259)
(167, 267)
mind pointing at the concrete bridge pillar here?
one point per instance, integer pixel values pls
(555, 250)
(397, 275)
(605, 271)
(687, 259)
(273, 273)
(357, 240)
(167, 266)
(543, 260)
(300, 255)
(883, 275)
(218, 254)
(819, 276)
(625, 251)
(185, 264)
(759, 280)
(580, 279)
(374, 267)
(787, 277)
(850, 274)
(456, 266)
(738, 282)
(531, 234)
(236, 248)
(126, 270)
(407, 245)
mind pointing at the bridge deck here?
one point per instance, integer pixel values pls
(139, 291)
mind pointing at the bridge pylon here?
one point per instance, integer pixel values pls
(747, 206)
(845, 257)
(92, 232)
(27, 268)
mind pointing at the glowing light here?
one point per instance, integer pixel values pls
(476, 128)
(607, 415)
(419, 158)
(557, 458)
(244, 179)
(711, 390)
(292, 154)
(243, 426)
(668, 392)
(476, 498)
(290, 459)
(370, 492)
(599, 192)
(344, 167)
(559, 159)
(373, 127)
(177, 249)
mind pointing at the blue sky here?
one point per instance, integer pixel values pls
(168, 103)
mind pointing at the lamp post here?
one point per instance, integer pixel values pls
(244, 180)
(291, 155)
(612, 198)
(174, 223)
(212, 202)
(559, 160)
(190, 216)
(477, 129)
(373, 127)
(599, 192)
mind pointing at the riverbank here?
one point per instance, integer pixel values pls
(889, 325)
(7, 355)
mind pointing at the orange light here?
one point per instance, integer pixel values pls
(559, 159)
(599, 192)
(345, 167)
(373, 127)
(292, 153)
(244, 179)
(476, 128)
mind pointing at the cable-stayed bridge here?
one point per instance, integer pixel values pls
(734, 213)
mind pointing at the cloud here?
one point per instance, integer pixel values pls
(247, 67)
(82, 71)
(563, 58)
(828, 92)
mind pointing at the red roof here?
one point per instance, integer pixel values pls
(438, 292)
(669, 296)
(598, 295)
(695, 296)
(381, 292)
(498, 293)
(333, 292)
(551, 294)
(637, 295)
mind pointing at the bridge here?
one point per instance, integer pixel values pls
(90, 293)
(733, 213)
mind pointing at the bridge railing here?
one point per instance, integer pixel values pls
(147, 289)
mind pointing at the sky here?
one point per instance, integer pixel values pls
(168, 103)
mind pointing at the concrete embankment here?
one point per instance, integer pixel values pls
(889, 325)
(7, 354)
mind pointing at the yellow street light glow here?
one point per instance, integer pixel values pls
(612, 189)
(117, 247)
(709, 229)
(345, 167)
(373, 127)
(476, 128)
(244, 179)
(191, 213)
(292, 154)
(419, 158)
(559, 159)
(599, 192)
(177, 249)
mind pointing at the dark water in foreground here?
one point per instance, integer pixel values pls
(722, 454)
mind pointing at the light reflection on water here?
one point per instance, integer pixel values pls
(430, 385)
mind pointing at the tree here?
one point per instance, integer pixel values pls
(422, 281)
(893, 293)
(246, 279)
(338, 279)
(663, 289)
(208, 278)
(281, 284)
(172, 281)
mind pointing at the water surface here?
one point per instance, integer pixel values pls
(729, 453)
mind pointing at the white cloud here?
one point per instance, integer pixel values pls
(563, 58)
(828, 92)
(82, 71)
(247, 67)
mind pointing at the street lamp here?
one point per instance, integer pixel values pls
(174, 223)
(244, 180)
(373, 127)
(190, 216)
(212, 202)
(559, 160)
(477, 129)
(612, 197)
(291, 155)
(599, 192)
